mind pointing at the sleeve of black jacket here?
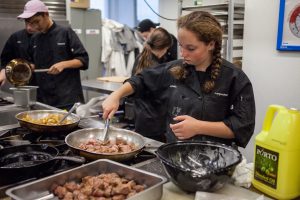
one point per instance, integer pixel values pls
(242, 117)
(77, 49)
(153, 80)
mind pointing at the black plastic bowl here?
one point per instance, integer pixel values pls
(199, 166)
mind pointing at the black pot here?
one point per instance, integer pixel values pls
(26, 161)
(199, 166)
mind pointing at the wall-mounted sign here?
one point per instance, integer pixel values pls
(288, 37)
(92, 31)
(77, 31)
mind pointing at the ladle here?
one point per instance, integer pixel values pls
(70, 111)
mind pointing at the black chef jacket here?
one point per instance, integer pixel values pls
(231, 101)
(16, 47)
(149, 113)
(58, 44)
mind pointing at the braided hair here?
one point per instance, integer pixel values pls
(207, 29)
(159, 39)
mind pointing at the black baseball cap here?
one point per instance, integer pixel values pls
(146, 24)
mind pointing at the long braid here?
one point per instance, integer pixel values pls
(209, 84)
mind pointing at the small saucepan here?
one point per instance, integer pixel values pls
(19, 72)
(18, 162)
(78, 137)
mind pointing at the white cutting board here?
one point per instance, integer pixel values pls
(172, 192)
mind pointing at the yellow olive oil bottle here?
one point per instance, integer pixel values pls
(277, 154)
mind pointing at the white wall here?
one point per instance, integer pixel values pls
(168, 9)
(275, 75)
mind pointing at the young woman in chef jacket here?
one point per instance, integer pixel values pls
(206, 97)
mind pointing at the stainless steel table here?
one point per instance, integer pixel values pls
(104, 87)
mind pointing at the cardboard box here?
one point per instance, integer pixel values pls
(80, 4)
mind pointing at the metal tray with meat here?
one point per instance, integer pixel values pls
(44, 188)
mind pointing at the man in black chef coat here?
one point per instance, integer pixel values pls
(58, 49)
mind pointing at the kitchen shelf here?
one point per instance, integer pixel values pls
(231, 17)
(214, 7)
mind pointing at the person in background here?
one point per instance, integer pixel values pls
(146, 27)
(58, 49)
(207, 97)
(17, 46)
(149, 115)
(154, 51)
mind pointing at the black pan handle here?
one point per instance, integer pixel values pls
(76, 159)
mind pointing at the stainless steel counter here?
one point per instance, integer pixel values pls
(104, 87)
(170, 191)
(229, 191)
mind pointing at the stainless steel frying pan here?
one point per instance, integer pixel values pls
(76, 138)
(38, 114)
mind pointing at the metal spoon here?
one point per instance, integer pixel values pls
(105, 131)
(70, 111)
